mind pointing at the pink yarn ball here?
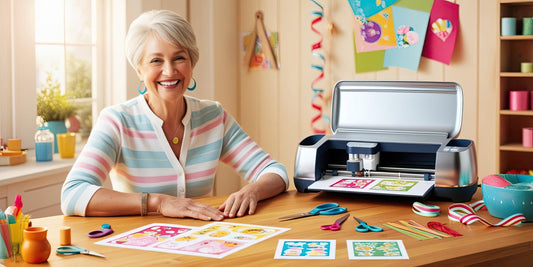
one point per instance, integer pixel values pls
(495, 180)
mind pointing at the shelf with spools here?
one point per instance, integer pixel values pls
(515, 74)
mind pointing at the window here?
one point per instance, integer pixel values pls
(65, 53)
(74, 42)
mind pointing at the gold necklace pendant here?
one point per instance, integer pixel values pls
(175, 140)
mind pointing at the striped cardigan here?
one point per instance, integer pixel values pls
(128, 146)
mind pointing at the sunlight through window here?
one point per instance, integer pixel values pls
(65, 49)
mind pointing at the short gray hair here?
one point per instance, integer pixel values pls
(166, 24)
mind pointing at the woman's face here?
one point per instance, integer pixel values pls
(165, 69)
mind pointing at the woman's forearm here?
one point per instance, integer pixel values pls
(269, 185)
(107, 202)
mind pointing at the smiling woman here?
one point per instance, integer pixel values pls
(162, 148)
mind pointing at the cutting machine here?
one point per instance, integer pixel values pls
(391, 138)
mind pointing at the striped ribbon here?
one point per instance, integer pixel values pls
(466, 214)
(426, 210)
(318, 98)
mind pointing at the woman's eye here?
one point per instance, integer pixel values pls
(155, 60)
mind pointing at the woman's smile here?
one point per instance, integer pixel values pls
(169, 84)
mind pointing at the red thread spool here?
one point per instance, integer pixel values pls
(527, 137)
(519, 100)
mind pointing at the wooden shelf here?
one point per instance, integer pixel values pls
(516, 112)
(516, 37)
(516, 147)
(525, 2)
(517, 74)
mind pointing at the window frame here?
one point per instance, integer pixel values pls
(18, 88)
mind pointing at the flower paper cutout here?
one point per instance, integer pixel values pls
(406, 36)
(370, 31)
(442, 28)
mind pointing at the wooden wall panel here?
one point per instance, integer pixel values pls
(289, 83)
(275, 106)
(463, 68)
(488, 68)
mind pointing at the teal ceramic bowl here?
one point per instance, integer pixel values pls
(515, 198)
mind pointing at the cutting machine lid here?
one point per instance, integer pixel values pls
(427, 108)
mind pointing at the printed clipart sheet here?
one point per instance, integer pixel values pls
(376, 250)
(214, 240)
(305, 249)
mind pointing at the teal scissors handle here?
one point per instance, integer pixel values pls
(72, 250)
(332, 211)
(69, 250)
(322, 207)
(363, 227)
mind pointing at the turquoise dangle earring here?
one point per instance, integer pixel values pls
(193, 87)
(139, 88)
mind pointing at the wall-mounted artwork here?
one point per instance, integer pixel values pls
(442, 31)
(410, 26)
(375, 32)
(260, 46)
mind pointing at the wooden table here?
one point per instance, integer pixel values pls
(478, 245)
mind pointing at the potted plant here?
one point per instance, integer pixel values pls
(53, 107)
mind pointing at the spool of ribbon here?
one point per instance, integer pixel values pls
(426, 210)
(466, 214)
(318, 98)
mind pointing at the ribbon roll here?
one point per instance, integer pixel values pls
(466, 214)
(317, 100)
(426, 210)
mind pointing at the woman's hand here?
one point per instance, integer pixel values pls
(242, 202)
(182, 207)
(245, 200)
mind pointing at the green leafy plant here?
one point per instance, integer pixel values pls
(51, 104)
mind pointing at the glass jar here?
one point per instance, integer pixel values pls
(44, 144)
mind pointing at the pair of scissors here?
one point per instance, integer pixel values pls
(336, 226)
(363, 227)
(322, 209)
(72, 250)
(106, 230)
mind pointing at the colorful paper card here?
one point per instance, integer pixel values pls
(373, 185)
(410, 26)
(368, 61)
(352, 183)
(394, 185)
(442, 31)
(376, 32)
(305, 249)
(421, 5)
(376, 250)
(214, 240)
(368, 8)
